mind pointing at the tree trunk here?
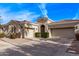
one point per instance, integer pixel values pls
(22, 28)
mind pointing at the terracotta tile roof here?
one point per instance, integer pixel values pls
(20, 22)
(69, 21)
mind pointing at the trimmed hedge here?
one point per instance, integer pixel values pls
(43, 34)
(37, 34)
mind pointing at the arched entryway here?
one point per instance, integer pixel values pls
(42, 28)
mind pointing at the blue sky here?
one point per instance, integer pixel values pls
(31, 11)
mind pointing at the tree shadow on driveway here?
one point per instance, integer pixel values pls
(42, 49)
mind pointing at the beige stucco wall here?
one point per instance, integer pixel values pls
(30, 33)
(63, 33)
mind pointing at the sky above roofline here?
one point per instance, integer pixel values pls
(32, 11)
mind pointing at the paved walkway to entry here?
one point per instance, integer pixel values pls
(35, 47)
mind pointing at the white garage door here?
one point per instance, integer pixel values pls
(63, 33)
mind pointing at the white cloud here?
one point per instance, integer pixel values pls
(25, 15)
(43, 9)
(6, 16)
(77, 15)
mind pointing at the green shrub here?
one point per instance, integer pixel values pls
(13, 36)
(43, 34)
(37, 34)
(2, 35)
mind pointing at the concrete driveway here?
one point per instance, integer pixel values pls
(31, 47)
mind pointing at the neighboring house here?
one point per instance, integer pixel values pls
(21, 27)
(62, 29)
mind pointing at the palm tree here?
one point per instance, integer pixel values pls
(1, 19)
(1, 26)
(22, 29)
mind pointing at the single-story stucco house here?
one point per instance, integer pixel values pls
(62, 29)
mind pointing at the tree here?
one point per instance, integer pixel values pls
(0, 19)
(1, 22)
(22, 29)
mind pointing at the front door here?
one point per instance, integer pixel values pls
(42, 30)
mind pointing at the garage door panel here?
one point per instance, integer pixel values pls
(63, 33)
